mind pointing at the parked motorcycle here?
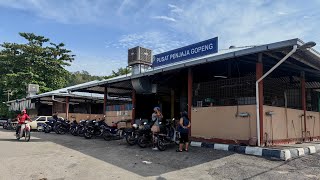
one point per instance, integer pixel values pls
(62, 126)
(132, 134)
(144, 136)
(49, 126)
(6, 125)
(168, 135)
(80, 128)
(41, 127)
(9, 125)
(113, 132)
(73, 128)
(94, 128)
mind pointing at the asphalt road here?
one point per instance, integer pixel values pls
(60, 157)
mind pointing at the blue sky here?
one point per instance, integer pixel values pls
(99, 32)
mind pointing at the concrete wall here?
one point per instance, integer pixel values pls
(115, 116)
(78, 116)
(288, 124)
(222, 123)
(111, 116)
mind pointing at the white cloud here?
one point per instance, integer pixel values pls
(254, 22)
(282, 13)
(175, 9)
(155, 40)
(72, 11)
(166, 18)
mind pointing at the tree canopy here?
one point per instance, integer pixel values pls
(38, 61)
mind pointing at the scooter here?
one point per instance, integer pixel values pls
(168, 135)
(24, 132)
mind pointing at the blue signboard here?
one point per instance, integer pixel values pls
(202, 48)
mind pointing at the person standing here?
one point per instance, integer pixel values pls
(156, 118)
(183, 128)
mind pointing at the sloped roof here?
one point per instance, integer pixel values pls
(313, 61)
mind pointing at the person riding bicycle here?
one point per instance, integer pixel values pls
(22, 119)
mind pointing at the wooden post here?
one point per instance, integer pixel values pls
(133, 106)
(303, 103)
(67, 107)
(259, 74)
(190, 81)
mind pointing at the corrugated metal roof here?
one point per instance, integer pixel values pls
(221, 55)
(64, 92)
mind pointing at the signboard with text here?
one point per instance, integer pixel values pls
(199, 49)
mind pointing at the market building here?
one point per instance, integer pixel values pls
(260, 95)
(72, 106)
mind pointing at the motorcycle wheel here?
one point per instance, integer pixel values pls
(73, 131)
(107, 136)
(87, 135)
(80, 132)
(142, 142)
(62, 130)
(47, 129)
(131, 139)
(57, 129)
(27, 136)
(161, 145)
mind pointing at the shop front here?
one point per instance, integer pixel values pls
(220, 90)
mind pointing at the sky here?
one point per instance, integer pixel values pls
(99, 32)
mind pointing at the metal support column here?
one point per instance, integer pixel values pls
(105, 98)
(67, 107)
(190, 81)
(172, 103)
(259, 74)
(133, 106)
(303, 103)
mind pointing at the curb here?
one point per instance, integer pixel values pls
(280, 154)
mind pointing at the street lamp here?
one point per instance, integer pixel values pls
(305, 46)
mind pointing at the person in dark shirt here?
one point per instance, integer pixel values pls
(183, 128)
(55, 116)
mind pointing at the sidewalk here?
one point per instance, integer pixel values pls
(285, 152)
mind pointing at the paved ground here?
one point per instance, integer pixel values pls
(62, 157)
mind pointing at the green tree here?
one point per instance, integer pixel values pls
(37, 61)
(119, 72)
(79, 77)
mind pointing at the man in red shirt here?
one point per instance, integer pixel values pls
(22, 119)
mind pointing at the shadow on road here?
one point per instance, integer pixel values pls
(131, 158)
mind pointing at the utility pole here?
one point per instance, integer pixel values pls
(8, 93)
